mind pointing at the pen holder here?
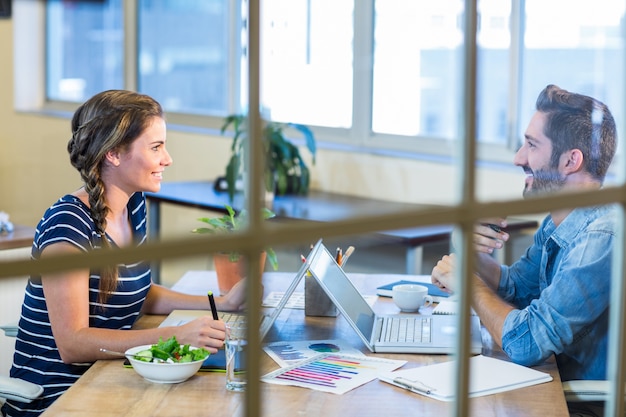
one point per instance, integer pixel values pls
(316, 302)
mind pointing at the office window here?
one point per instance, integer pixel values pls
(306, 59)
(581, 50)
(84, 48)
(387, 72)
(596, 30)
(183, 58)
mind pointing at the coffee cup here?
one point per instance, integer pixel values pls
(410, 297)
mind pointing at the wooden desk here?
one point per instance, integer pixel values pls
(316, 206)
(20, 237)
(109, 389)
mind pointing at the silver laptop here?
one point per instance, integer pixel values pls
(392, 333)
(180, 317)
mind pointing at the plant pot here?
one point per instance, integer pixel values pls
(231, 272)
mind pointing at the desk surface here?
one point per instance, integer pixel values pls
(109, 389)
(20, 237)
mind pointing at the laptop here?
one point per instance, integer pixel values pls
(390, 333)
(180, 317)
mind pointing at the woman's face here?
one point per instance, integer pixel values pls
(141, 166)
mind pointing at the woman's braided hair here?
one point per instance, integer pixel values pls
(110, 120)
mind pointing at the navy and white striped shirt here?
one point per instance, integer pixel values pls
(36, 356)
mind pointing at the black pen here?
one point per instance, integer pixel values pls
(213, 308)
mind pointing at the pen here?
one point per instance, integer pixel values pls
(494, 227)
(339, 256)
(416, 386)
(213, 308)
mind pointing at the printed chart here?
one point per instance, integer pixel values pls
(289, 353)
(334, 373)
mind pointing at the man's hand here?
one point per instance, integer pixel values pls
(487, 237)
(443, 273)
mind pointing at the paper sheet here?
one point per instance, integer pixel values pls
(333, 373)
(290, 353)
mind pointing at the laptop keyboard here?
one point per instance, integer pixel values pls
(406, 329)
(230, 318)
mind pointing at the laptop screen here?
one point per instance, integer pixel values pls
(346, 296)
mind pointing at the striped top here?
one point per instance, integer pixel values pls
(36, 357)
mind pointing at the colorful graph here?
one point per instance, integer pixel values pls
(334, 373)
(327, 371)
(290, 353)
(324, 347)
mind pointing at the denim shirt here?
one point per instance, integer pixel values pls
(561, 291)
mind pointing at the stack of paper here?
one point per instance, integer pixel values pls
(487, 376)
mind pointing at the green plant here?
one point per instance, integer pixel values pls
(286, 172)
(233, 221)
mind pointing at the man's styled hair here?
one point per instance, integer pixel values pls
(576, 121)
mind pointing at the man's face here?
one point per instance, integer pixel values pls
(534, 156)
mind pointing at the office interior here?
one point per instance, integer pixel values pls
(35, 171)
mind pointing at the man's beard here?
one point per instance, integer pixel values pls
(544, 182)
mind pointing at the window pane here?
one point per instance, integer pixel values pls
(494, 70)
(183, 54)
(581, 51)
(306, 61)
(84, 48)
(416, 67)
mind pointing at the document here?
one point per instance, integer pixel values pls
(333, 373)
(487, 376)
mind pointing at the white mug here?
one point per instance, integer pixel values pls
(410, 297)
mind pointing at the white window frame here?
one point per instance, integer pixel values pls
(464, 214)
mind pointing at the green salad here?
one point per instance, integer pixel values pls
(171, 351)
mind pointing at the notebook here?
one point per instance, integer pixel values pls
(180, 317)
(437, 293)
(450, 306)
(487, 376)
(414, 333)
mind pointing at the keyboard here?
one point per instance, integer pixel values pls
(230, 318)
(406, 330)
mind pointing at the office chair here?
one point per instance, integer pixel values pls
(15, 388)
(586, 390)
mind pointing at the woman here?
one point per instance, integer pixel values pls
(118, 146)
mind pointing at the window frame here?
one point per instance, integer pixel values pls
(464, 214)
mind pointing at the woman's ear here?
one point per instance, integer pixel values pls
(113, 157)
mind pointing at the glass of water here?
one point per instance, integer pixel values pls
(236, 343)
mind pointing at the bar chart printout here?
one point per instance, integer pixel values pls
(334, 373)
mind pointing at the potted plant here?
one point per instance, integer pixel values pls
(230, 267)
(286, 172)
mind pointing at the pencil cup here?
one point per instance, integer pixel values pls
(236, 343)
(316, 302)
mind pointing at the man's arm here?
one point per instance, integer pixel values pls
(491, 309)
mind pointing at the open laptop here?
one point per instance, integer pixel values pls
(435, 333)
(180, 317)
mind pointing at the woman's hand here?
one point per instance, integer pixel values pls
(203, 332)
(235, 299)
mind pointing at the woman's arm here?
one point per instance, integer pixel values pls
(67, 299)
(162, 300)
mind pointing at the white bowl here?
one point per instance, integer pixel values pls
(163, 372)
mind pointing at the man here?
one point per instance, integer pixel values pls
(555, 298)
